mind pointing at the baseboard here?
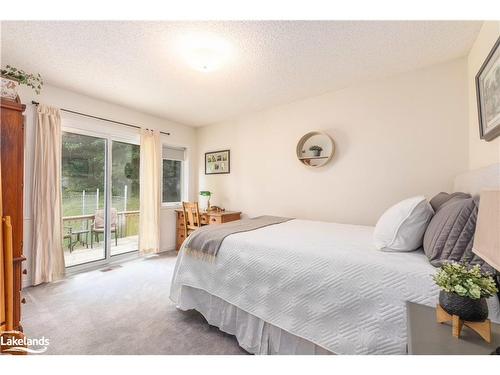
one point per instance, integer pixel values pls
(167, 250)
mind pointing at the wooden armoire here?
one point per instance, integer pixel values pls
(12, 176)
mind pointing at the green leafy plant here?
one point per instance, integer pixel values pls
(205, 193)
(30, 80)
(466, 282)
(315, 148)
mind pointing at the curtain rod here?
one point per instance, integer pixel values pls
(99, 118)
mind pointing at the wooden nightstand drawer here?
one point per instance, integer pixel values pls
(230, 217)
(179, 240)
(215, 220)
(181, 237)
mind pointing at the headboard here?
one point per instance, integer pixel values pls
(474, 181)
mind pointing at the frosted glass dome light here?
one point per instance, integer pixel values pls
(206, 53)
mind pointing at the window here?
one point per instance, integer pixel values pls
(173, 175)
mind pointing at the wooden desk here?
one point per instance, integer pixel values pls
(206, 218)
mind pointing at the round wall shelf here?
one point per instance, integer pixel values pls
(315, 149)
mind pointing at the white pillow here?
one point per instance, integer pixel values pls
(402, 226)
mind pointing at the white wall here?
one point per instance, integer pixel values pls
(180, 136)
(481, 153)
(395, 138)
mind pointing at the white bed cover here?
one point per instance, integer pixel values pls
(323, 282)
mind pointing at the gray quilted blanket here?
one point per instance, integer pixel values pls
(206, 241)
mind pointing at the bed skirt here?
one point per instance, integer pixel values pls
(253, 334)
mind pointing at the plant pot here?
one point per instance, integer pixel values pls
(316, 153)
(472, 310)
(9, 88)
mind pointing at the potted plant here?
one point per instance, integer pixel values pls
(316, 150)
(206, 193)
(12, 77)
(464, 291)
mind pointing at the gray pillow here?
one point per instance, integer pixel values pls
(450, 234)
(439, 199)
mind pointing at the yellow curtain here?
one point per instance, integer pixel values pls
(149, 217)
(47, 251)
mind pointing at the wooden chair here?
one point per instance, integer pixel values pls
(191, 217)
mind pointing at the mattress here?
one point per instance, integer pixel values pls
(322, 282)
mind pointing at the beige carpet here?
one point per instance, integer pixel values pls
(123, 311)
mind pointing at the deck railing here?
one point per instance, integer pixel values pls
(77, 226)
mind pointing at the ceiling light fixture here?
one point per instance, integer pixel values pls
(205, 53)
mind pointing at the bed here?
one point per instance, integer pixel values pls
(308, 287)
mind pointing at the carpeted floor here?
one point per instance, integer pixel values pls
(122, 311)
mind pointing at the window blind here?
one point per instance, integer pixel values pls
(173, 153)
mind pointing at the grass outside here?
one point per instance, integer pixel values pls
(73, 203)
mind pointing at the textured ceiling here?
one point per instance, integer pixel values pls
(140, 65)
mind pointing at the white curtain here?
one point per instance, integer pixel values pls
(48, 255)
(149, 218)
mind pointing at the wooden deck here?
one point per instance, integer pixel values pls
(82, 254)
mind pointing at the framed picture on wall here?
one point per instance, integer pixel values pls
(488, 95)
(217, 162)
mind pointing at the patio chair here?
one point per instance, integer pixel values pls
(98, 226)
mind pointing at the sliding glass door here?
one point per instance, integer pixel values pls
(125, 198)
(83, 198)
(100, 198)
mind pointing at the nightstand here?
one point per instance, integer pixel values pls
(426, 336)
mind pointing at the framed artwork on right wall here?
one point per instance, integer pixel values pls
(488, 95)
(218, 162)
